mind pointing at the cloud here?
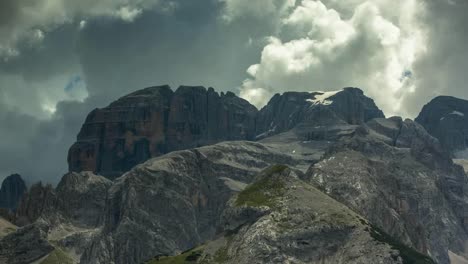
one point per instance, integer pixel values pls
(238, 9)
(323, 50)
(442, 70)
(60, 59)
(22, 19)
(57, 82)
(128, 14)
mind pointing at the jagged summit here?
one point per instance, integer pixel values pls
(154, 121)
(11, 191)
(157, 120)
(446, 118)
(348, 106)
(359, 187)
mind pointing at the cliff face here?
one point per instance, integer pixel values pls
(348, 106)
(12, 189)
(359, 187)
(446, 118)
(399, 178)
(174, 202)
(155, 121)
(296, 224)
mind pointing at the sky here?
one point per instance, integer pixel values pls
(59, 59)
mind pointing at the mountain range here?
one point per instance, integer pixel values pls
(194, 176)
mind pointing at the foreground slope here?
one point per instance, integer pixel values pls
(281, 219)
(400, 179)
(174, 202)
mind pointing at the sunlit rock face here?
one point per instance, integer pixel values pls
(446, 118)
(155, 121)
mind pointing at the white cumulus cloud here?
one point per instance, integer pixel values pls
(322, 48)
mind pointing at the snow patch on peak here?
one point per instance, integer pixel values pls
(453, 113)
(457, 113)
(323, 97)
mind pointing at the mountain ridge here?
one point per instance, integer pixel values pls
(337, 147)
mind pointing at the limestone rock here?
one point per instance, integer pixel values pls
(395, 175)
(72, 212)
(13, 188)
(446, 118)
(39, 200)
(155, 121)
(26, 245)
(174, 202)
(348, 106)
(82, 198)
(294, 223)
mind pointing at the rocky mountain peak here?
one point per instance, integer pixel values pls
(446, 118)
(347, 106)
(11, 191)
(355, 187)
(154, 121)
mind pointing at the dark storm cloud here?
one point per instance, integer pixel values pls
(55, 55)
(191, 44)
(442, 71)
(117, 46)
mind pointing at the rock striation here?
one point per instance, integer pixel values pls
(399, 178)
(446, 118)
(13, 188)
(39, 200)
(282, 219)
(356, 187)
(71, 214)
(155, 121)
(174, 202)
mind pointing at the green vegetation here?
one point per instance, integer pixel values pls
(264, 191)
(221, 256)
(10, 230)
(274, 169)
(57, 256)
(190, 256)
(409, 255)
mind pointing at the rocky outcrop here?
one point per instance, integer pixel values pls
(174, 202)
(13, 188)
(348, 106)
(81, 198)
(446, 118)
(396, 175)
(359, 188)
(39, 200)
(155, 121)
(281, 219)
(72, 213)
(26, 245)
